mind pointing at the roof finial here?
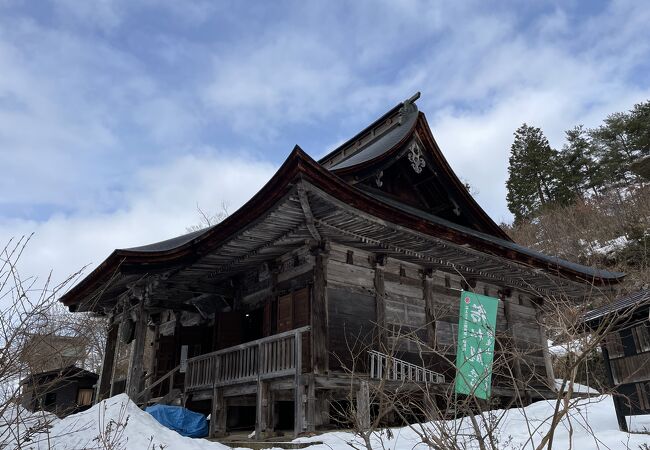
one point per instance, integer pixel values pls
(413, 98)
(408, 106)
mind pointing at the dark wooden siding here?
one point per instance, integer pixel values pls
(351, 317)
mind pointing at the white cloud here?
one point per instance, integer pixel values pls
(160, 204)
(91, 126)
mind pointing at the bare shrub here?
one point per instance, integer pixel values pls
(444, 420)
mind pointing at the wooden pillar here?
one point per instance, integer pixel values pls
(515, 360)
(298, 391)
(310, 410)
(321, 409)
(429, 308)
(118, 345)
(380, 303)
(618, 401)
(153, 364)
(548, 363)
(363, 406)
(262, 410)
(218, 415)
(106, 376)
(319, 315)
(134, 375)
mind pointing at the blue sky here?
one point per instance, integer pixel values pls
(118, 117)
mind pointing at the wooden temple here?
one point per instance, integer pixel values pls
(252, 319)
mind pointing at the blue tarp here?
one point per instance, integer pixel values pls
(185, 422)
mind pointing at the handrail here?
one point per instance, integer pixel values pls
(158, 382)
(270, 357)
(252, 343)
(383, 366)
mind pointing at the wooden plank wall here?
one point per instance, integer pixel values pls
(430, 317)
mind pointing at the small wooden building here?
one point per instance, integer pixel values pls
(62, 391)
(626, 352)
(252, 319)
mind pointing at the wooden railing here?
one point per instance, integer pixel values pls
(145, 395)
(387, 367)
(271, 357)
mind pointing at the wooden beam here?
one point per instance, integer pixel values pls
(254, 252)
(174, 306)
(310, 412)
(218, 414)
(519, 378)
(134, 375)
(306, 209)
(298, 390)
(262, 410)
(548, 363)
(380, 302)
(319, 315)
(429, 308)
(118, 345)
(105, 378)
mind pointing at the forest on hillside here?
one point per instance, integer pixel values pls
(584, 202)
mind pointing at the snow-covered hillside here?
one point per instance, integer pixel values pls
(591, 425)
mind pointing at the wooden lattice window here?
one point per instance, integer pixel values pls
(641, 338)
(85, 397)
(614, 345)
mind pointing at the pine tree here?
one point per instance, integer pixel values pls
(580, 173)
(623, 138)
(532, 173)
(638, 125)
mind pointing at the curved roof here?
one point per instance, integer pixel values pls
(169, 244)
(299, 166)
(377, 147)
(385, 140)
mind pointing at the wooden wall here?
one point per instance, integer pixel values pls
(422, 307)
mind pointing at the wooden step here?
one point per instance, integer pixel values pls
(259, 445)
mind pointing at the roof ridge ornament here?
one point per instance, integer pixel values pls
(408, 107)
(415, 157)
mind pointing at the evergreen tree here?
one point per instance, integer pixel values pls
(580, 173)
(639, 129)
(623, 138)
(532, 173)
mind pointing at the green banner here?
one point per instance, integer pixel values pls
(476, 326)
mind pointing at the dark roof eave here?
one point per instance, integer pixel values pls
(192, 247)
(626, 304)
(299, 164)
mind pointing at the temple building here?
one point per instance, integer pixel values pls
(253, 319)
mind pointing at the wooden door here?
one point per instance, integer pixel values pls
(285, 313)
(165, 355)
(228, 329)
(301, 308)
(294, 312)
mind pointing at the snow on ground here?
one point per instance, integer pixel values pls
(639, 424)
(592, 424)
(577, 387)
(18, 425)
(611, 246)
(117, 421)
(575, 346)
